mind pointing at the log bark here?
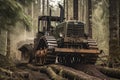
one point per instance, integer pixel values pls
(22, 74)
(90, 70)
(35, 68)
(5, 71)
(47, 70)
(59, 72)
(52, 74)
(111, 72)
(6, 74)
(72, 74)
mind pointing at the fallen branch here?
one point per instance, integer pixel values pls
(52, 74)
(111, 72)
(72, 74)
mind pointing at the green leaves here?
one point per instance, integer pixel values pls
(10, 12)
(25, 2)
(26, 21)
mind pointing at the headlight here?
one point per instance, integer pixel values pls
(60, 34)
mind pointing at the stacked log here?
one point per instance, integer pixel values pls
(56, 72)
(47, 70)
(61, 72)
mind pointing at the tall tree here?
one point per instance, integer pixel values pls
(10, 12)
(100, 25)
(75, 9)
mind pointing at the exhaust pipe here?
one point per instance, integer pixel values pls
(62, 15)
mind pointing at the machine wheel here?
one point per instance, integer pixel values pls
(91, 59)
(69, 59)
(46, 54)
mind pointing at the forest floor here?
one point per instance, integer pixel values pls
(24, 71)
(61, 72)
(9, 71)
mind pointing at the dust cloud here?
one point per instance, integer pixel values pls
(19, 36)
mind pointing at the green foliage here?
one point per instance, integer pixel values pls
(25, 2)
(26, 20)
(10, 12)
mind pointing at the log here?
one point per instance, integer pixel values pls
(35, 68)
(52, 74)
(91, 70)
(111, 72)
(6, 72)
(72, 74)
(22, 74)
(13, 75)
(47, 70)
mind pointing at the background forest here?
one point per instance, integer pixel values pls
(20, 16)
(18, 26)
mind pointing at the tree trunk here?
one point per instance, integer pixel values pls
(118, 24)
(47, 7)
(89, 17)
(66, 7)
(75, 9)
(32, 15)
(111, 72)
(8, 44)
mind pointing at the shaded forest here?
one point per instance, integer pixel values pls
(97, 15)
(19, 21)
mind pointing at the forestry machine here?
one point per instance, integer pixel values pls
(65, 43)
